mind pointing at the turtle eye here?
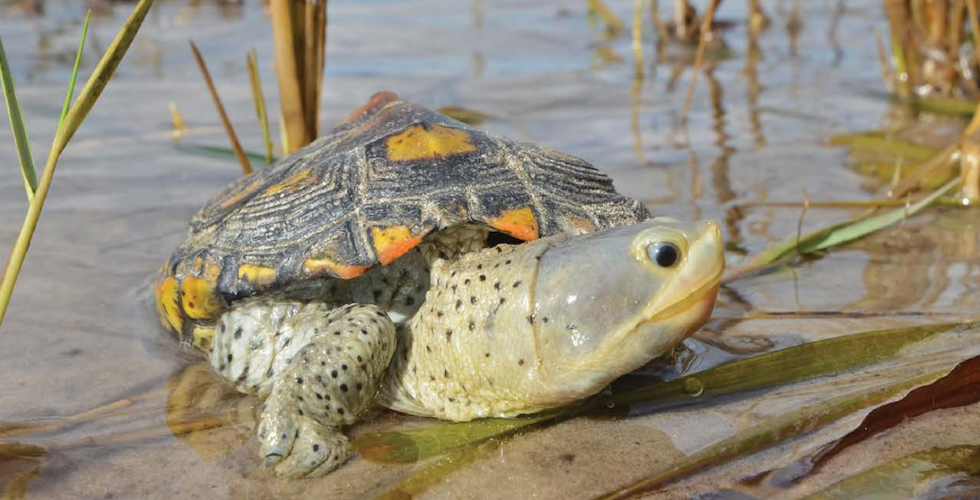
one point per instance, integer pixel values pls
(664, 254)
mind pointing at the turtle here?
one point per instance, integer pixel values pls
(408, 261)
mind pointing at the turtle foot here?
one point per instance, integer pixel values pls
(314, 450)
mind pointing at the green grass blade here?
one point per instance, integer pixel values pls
(420, 444)
(74, 71)
(833, 235)
(76, 115)
(18, 127)
(256, 83)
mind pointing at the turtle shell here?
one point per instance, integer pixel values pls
(368, 192)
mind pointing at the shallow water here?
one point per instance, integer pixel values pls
(79, 334)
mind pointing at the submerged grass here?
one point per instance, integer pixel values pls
(786, 366)
(73, 119)
(460, 444)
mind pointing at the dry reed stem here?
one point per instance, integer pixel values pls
(290, 89)
(239, 153)
(971, 5)
(638, 38)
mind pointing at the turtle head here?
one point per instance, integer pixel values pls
(607, 303)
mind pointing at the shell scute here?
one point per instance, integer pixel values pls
(366, 193)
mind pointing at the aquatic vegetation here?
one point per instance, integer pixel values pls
(66, 129)
(834, 235)
(299, 32)
(255, 83)
(463, 442)
(16, 116)
(236, 146)
(934, 58)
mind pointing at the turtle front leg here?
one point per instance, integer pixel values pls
(320, 368)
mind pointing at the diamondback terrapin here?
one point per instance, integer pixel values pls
(407, 260)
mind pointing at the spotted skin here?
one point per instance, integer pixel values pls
(469, 352)
(318, 366)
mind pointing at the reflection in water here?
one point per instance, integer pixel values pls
(794, 26)
(720, 180)
(197, 394)
(928, 266)
(752, 58)
(835, 17)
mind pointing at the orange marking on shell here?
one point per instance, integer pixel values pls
(241, 195)
(304, 178)
(256, 274)
(393, 242)
(417, 143)
(316, 266)
(519, 223)
(376, 101)
(200, 299)
(167, 305)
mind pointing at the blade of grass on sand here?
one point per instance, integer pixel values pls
(834, 235)
(256, 84)
(76, 115)
(74, 71)
(432, 474)
(465, 442)
(791, 365)
(18, 127)
(239, 153)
